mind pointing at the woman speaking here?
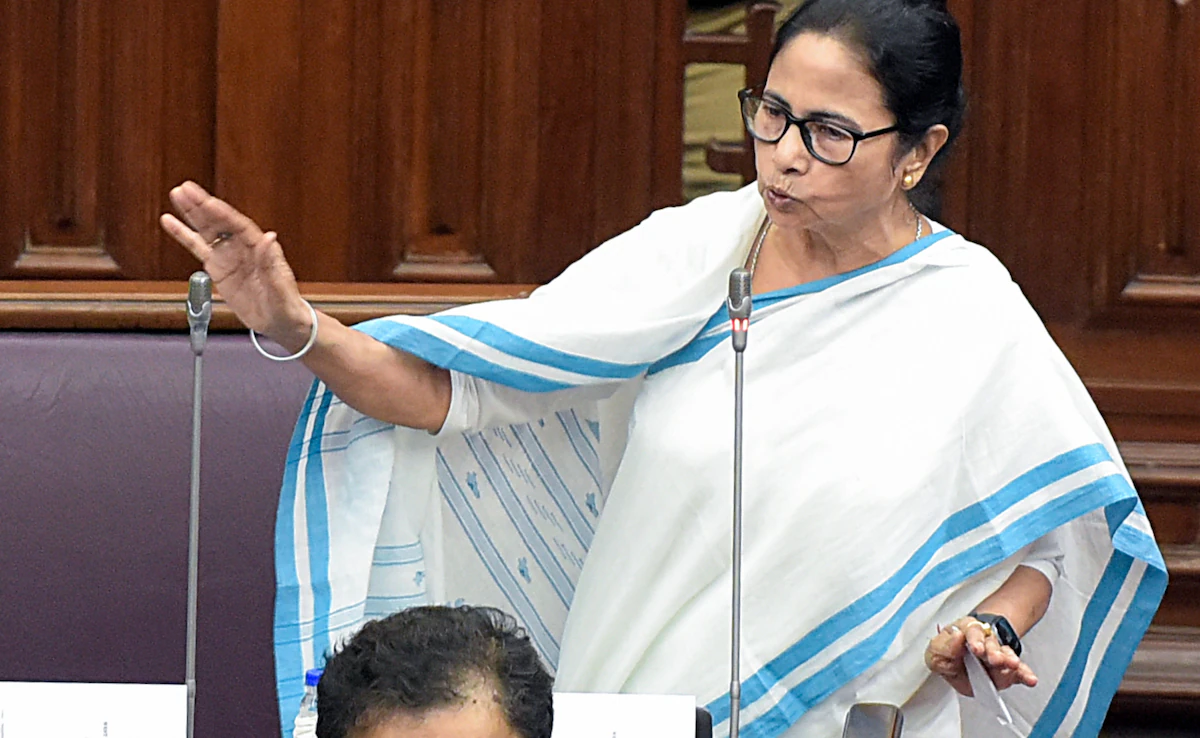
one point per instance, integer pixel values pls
(925, 475)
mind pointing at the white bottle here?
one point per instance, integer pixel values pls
(306, 719)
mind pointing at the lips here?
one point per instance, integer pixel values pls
(779, 198)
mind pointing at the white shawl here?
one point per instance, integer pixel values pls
(910, 429)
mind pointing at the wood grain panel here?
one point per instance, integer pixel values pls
(626, 61)
(667, 187)
(1144, 211)
(65, 83)
(12, 152)
(133, 182)
(12, 203)
(425, 129)
(1145, 382)
(397, 99)
(1165, 668)
(259, 154)
(369, 259)
(1026, 157)
(444, 241)
(102, 105)
(955, 187)
(1167, 476)
(324, 129)
(600, 69)
(568, 96)
(58, 139)
(413, 141)
(511, 91)
(335, 141)
(189, 109)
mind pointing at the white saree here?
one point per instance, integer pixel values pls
(910, 430)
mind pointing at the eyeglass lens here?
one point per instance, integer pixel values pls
(768, 122)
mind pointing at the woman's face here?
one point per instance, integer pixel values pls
(818, 76)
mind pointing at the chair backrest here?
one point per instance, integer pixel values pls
(94, 494)
(751, 50)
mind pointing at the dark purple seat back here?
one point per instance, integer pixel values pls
(94, 486)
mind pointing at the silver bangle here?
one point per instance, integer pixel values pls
(312, 339)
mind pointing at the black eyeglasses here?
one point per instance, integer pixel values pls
(829, 142)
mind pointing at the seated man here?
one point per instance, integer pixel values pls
(436, 672)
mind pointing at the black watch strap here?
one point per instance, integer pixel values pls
(1003, 629)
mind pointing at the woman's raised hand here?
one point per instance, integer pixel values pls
(246, 265)
(945, 653)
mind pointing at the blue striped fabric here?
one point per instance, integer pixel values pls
(519, 602)
(543, 481)
(1111, 493)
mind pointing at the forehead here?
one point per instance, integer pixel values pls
(476, 718)
(818, 72)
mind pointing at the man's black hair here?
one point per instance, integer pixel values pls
(426, 658)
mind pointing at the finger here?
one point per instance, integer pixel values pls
(266, 250)
(976, 638)
(950, 643)
(1003, 679)
(1003, 657)
(993, 654)
(187, 196)
(1025, 675)
(942, 662)
(190, 240)
(210, 215)
(945, 652)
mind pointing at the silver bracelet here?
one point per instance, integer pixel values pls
(312, 339)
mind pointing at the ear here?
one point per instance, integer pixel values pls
(916, 162)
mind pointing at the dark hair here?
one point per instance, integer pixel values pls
(912, 48)
(425, 658)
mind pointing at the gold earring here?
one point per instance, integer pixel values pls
(908, 181)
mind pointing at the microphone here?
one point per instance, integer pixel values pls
(873, 720)
(739, 304)
(199, 309)
(199, 313)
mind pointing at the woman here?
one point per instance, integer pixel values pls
(923, 469)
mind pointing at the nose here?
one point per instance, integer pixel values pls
(790, 154)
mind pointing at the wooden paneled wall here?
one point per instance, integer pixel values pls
(388, 142)
(418, 153)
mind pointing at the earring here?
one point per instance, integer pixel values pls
(909, 181)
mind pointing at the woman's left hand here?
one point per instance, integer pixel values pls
(945, 653)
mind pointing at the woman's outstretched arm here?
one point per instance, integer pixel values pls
(249, 271)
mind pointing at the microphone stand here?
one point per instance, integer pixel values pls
(199, 313)
(739, 313)
(864, 720)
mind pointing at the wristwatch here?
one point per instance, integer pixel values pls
(1002, 628)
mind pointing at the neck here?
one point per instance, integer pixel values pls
(824, 250)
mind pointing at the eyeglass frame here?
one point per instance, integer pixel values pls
(805, 134)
